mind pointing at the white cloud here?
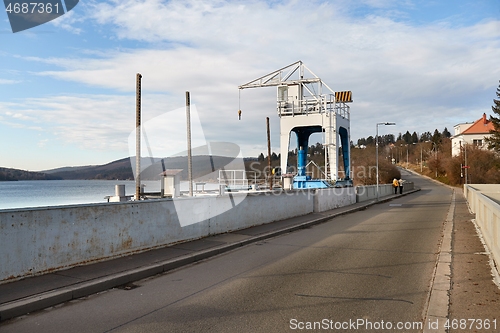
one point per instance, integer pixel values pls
(67, 22)
(93, 122)
(5, 81)
(42, 143)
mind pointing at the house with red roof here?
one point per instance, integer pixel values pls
(471, 134)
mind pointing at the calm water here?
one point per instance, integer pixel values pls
(38, 193)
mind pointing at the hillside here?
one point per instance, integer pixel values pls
(122, 169)
(7, 174)
(119, 169)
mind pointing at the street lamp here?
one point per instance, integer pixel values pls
(376, 150)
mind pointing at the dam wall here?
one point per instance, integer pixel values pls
(35, 241)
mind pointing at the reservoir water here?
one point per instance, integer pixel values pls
(40, 193)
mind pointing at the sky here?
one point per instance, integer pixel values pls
(67, 87)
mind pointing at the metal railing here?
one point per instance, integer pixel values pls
(322, 104)
(237, 179)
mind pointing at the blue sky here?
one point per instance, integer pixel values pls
(67, 87)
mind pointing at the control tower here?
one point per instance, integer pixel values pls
(306, 105)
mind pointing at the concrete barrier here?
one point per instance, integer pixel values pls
(484, 201)
(39, 240)
(369, 192)
(327, 199)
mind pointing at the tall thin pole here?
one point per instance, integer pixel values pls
(407, 157)
(270, 177)
(466, 166)
(190, 161)
(421, 157)
(376, 154)
(435, 146)
(376, 150)
(138, 137)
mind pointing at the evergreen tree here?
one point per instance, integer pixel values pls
(494, 140)
(426, 136)
(446, 133)
(436, 137)
(407, 137)
(261, 157)
(362, 142)
(389, 138)
(414, 137)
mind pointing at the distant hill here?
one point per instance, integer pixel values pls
(7, 174)
(203, 167)
(119, 169)
(64, 169)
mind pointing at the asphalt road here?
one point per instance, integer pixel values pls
(366, 271)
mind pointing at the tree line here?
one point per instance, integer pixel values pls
(406, 138)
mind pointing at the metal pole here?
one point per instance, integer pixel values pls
(421, 158)
(466, 166)
(407, 157)
(435, 146)
(376, 153)
(270, 175)
(138, 137)
(190, 161)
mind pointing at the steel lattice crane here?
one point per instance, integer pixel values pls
(306, 105)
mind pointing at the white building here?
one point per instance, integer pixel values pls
(471, 134)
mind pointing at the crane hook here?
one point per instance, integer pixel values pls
(239, 104)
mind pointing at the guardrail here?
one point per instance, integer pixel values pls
(484, 201)
(369, 192)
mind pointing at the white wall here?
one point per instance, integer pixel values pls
(467, 139)
(483, 201)
(327, 199)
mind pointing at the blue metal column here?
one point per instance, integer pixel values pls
(303, 134)
(344, 139)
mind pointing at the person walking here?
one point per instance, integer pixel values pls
(400, 183)
(395, 184)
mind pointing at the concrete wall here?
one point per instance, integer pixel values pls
(38, 240)
(327, 199)
(369, 192)
(484, 201)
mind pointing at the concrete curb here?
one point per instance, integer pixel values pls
(50, 298)
(437, 308)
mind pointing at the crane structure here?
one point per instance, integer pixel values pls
(306, 105)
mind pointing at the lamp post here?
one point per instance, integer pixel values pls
(376, 150)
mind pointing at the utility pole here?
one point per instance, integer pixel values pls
(190, 161)
(407, 157)
(466, 166)
(270, 174)
(421, 158)
(435, 146)
(138, 137)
